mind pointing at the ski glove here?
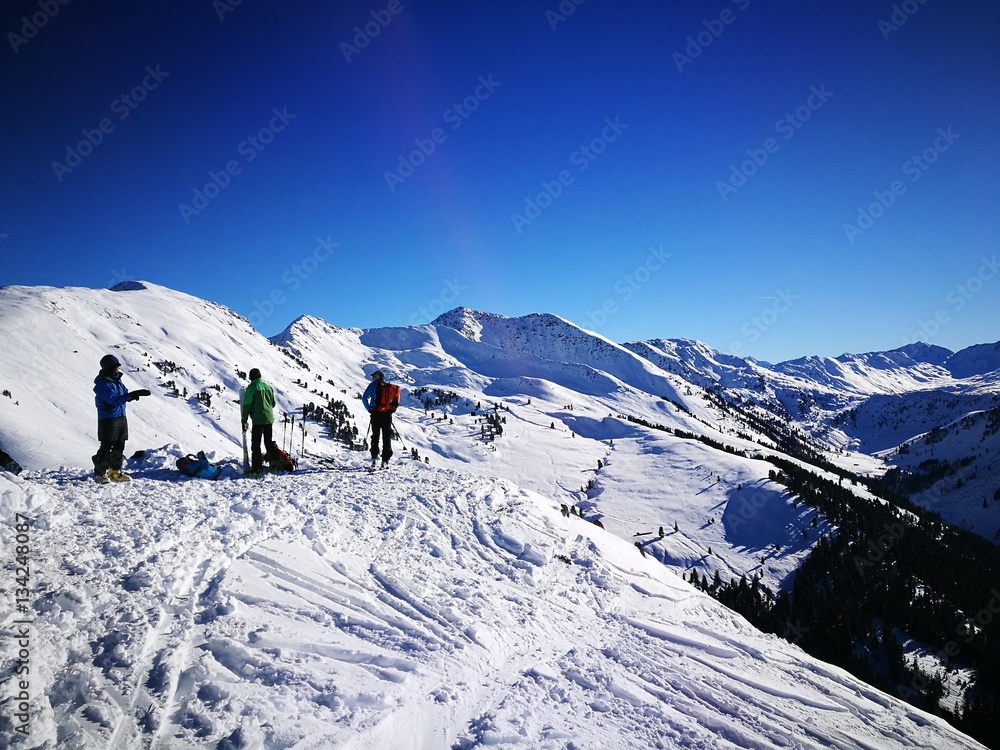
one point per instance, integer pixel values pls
(134, 395)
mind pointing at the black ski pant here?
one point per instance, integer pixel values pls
(382, 426)
(260, 432)
(112, 434)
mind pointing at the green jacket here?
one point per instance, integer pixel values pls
(258, 403)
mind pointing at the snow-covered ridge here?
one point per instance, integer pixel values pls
(909, 368)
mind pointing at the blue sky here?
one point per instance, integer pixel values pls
(774, 179)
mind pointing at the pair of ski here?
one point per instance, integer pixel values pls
(375, 467)
(246, 455)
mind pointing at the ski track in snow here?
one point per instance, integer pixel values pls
(413, 608)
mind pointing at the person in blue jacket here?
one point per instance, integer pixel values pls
(110, 397)
(381, 421)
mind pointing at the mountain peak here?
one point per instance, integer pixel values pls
(128, 286)
(978, 359)
(921, 351)
(466, 321)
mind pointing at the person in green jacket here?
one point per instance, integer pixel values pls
(258, 407)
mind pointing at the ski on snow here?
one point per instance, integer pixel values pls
(246, 456)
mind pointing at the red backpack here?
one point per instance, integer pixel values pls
(280, 461)
(388, 397)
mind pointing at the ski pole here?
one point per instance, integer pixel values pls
(399, 437)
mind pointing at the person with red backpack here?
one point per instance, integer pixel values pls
(381, 399)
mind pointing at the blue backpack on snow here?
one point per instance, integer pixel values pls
(198, 466)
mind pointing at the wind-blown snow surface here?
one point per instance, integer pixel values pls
(413, 608)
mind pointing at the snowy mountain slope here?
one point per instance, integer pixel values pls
(698, 364)
(869, 403)
(917, 367)
(955, 466)
(973, 361)
(745, 515)
(885, 421)
(592, 431)
(415, 608)
(914, 367)
(562, 416)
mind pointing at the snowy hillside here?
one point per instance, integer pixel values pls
(974, 361)
(869, 404)
(350, 606)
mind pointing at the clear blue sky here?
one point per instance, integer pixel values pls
(644, 169)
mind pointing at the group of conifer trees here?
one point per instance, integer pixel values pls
(888, 574)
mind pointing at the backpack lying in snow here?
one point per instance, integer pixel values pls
(198, 466)
(280, 461)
